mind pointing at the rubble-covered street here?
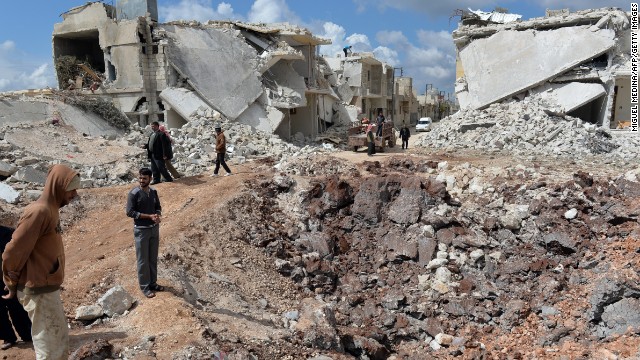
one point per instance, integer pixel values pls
(508, 230)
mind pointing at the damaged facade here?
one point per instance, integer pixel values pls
(265, 76)
(575, 63)
(364, 82)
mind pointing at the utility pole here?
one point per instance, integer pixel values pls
(393, 91)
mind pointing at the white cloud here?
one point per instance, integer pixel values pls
(8, 45)
(18, 73)
(392, 38)
(581, 5)
(387, 55)
(199, 10)
(336, 34)
(430, 8)
(267, 11)
(437, 39)
(360, 42)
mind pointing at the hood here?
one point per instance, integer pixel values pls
(58, 179)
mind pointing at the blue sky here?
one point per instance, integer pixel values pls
(412, 34)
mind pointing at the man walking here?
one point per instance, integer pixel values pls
(143, 205)
(221, 148)
(12, 314)
(405, 134)
(158, 150)
(33, 264)
(380, 123)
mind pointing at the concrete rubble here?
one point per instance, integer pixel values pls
(576, 58)
(528, 128)
(509, 247)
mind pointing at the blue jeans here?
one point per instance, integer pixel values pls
(147, 244)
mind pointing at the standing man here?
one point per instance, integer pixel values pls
(143, 205)
(405, 134)
(12, 314)
(33, 264)
(380, 122)
(158, 150)
(221, 148)
(371, 147)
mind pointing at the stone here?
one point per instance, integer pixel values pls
(7, 169)
(443, 274)
(560, 242)
(115, 301)
(29, 174)
(426, 249)
(571, 214)
(93, 350)
(443, 339)
(317, 325)
(8, 194)
(89, 312)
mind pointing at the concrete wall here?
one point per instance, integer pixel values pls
(131, 9)
(622, 111)
(353, 73)
(91, 17)
(304, 119)
(219, 64)
(126, 60)
(540, 55)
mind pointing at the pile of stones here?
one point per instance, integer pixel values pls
(527, 127)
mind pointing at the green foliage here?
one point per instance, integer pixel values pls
(97, 105)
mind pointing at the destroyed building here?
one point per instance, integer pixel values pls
(265, 76)
(365, 82)
(576, 63)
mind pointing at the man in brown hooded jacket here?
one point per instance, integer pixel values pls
(33, 264)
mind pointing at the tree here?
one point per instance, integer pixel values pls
(502, 10)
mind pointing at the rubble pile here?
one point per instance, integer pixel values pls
(527, 128)
(449, 264)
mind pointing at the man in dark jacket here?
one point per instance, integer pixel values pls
(158, 150)
(405, 134)
(380, 123)
(11, 307)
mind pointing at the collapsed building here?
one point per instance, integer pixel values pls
(265, 76)
(576, 63)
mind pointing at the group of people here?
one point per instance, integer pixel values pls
(33, 259)
(405, 133)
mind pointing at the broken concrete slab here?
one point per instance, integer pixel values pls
(8, 194)
(7, 169)
(571, 96)
(29, 174)
(88, 313)
(115, 301)
(183, 101)
(204, 54)
(539, 55)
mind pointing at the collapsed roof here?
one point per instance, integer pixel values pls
(585, 49)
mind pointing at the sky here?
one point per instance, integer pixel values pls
(414, 35)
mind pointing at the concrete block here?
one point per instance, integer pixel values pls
(116, 301)
(88, 313)
(29, 174)
(8, 194)
(6, 169)
(571, 96)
